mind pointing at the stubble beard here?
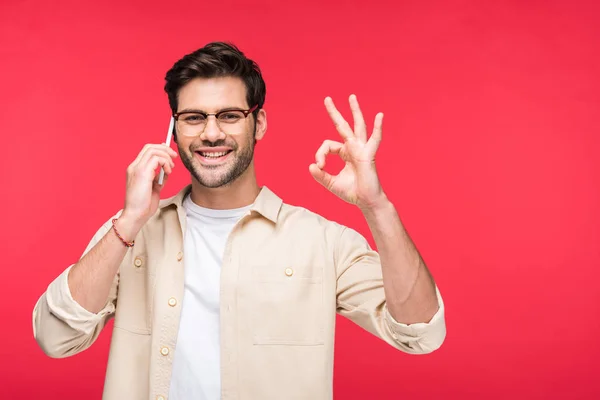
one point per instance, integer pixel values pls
(218, 175)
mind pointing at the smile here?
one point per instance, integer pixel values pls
(213, 157)
(213, 154)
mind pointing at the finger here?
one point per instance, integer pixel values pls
(360, 128)
(321, 176)
(375, 138)
(157, 186)
(148, 164)
(340, 123)
(146, 170)
(170, 150)
(149, 147)
(328, 147)
(154, 163)
(166, 175)
(164, 147)
(153, 152)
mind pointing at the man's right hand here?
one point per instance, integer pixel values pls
(92, 277)
(143, 191)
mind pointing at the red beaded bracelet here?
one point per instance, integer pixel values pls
(126, 243)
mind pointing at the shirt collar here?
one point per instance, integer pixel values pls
(267, 203)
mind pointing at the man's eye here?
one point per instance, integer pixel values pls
(230, 116)
(194, 118)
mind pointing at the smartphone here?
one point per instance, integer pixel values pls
(168, 143)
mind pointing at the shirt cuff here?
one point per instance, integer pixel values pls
(62, 305)
(421, 337)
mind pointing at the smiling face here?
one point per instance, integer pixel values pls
(217, 153)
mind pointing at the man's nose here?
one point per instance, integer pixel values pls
(212, 130)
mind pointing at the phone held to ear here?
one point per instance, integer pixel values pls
(168, 143)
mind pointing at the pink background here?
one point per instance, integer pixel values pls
(490, 153)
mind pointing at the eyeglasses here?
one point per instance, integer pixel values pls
(193, 123)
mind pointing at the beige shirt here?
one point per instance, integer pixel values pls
(286, 272)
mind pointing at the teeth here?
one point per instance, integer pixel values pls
(213, 154)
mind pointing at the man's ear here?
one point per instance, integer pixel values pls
(261, 124)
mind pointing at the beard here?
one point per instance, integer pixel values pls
(214, 176)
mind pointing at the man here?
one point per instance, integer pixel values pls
(224, 291)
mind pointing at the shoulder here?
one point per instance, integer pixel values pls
(302, 225)
(308, 221)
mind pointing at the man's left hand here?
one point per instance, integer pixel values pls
(357, 183)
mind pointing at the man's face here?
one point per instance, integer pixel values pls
(221, 152)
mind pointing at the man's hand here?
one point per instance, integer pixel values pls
(357, 183)
(143, 191)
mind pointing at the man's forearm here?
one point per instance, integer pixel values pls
(91, 278)
(408, 285)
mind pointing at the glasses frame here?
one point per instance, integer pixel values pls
(216, 115)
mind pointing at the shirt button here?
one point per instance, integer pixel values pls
(172, 301)
(164, 351)
(289, 271)
(138, 262)
(179, 256)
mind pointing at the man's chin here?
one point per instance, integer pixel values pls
(205, 179)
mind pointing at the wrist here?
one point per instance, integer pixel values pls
(128, 226)
(376, 205)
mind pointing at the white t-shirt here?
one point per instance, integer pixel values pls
(196, 362)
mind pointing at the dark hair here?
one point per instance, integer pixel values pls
(217, 59)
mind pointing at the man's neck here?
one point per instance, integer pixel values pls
(239, 193)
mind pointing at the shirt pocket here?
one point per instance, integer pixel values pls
(288, 305)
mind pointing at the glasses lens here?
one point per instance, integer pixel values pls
(231, 122)
(191, 124)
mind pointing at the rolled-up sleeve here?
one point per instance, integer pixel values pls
(421, 337)
(61, 326)
(62, 305)
(361, 298)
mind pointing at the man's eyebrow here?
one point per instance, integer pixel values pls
(189, 110)
(195, 110)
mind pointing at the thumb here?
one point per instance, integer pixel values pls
(320, 176)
